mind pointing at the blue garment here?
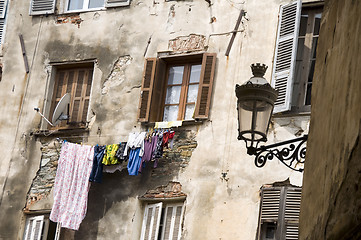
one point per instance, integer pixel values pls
(134, 161)
(96, 174)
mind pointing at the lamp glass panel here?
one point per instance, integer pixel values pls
(264, 111)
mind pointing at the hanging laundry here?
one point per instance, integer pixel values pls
(158, 152)
(166, 136)
(135, 146)
(149, 147)
(114, 168)
(120, 152)
(109, 157)
(97, 170)
(71, 185)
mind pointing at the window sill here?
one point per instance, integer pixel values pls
(83, 10)
(60, 132)
(291, 114)
(184, 123)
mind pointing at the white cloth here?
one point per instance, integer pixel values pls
(168, 124)
(72, 185)
(135, 140)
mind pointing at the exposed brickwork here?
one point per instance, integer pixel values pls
(192, 42)
(73, 19)
(171, 190)
(45, 177)
(178, 157)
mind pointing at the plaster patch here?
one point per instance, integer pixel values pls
(117, 75)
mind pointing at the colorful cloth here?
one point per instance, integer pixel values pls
(72, 185)
(149, 147)
(135, 140)
(120, 153)
(109, 157)
(134, 161)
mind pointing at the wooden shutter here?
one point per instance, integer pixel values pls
(146, 89)
(3, 5)
(285, 54)
(151, 220)
(205, 86)
(40, 7)
(117, 3)
(77, 82)
(172, 226)
(281, 205)
(292, 213)
(34, 228)
(57, 231)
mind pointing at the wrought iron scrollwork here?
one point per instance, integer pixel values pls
(293, 155)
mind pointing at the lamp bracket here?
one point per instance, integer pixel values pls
(292, 155)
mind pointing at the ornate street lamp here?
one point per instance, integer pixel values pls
(255, 102)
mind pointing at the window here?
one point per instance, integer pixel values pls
(77, 82)
(295, 56)
(279, 213)
(40, 227)
(162, 221)
(84, 4)
(45, 7)
(177, 88)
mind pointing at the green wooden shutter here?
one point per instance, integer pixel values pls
(117, 3)
(205, 86)
(285, 54)
(42, 7)
(151, 220)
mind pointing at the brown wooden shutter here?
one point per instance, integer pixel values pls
(205, 86)
(158, 92)
(146, 89)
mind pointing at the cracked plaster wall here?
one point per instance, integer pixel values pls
(220, 180)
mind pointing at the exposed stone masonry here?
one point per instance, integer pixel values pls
(45, 177)
(171, 190)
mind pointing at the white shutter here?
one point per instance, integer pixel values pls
(285, 54)
(3, 4)
(151, 220)
(41, 7)
(57, 231)
(117, 3)
(34, 228)
(172, 226)
(270, 205)
(292, 212)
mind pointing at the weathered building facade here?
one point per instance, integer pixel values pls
(103, 53)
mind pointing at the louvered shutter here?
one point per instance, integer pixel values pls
(57, 231)
(285, 54)
(270, 204)
(146, 89)
(34, 228)
(292, 213)
(40, 7)
(3, 5)
(151, 220)
(172, 226)
(117, 3)
(205, 86)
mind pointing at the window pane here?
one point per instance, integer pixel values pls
(314, 47)
(75, 4)
(173, 94)
(316, 30)
(96, 3)
(195, 73)
(170, 113)
(192, 93)
(189, 112)
(175, 75)
(303, 25)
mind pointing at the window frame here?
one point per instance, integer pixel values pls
(184, 89)
(299, 96)
(85, 94)
(87, 9)
(162, 219)
(43, 231)
(152, 95)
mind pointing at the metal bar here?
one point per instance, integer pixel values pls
(241, 14)
(24, 53)
(262, 148)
